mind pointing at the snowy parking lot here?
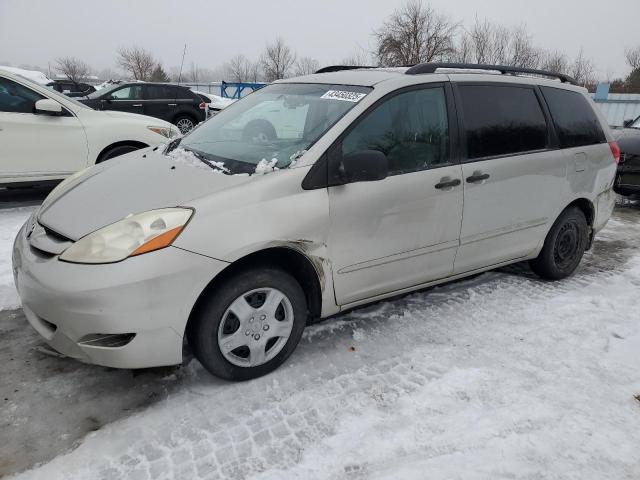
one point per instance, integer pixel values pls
(498, 376)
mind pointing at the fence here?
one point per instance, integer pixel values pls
(617, 107)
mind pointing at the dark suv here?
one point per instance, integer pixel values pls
(173, 103)
(628, 176)
(71, 88)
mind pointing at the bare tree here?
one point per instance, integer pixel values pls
(306, 66)
(358, 57)
(521, 52)
(237, 69)
(255, 71)
(582, 70)
(555, 62)
(486, 42)
(136, 61)
(277, 60)
(194, 73)
(633, 57)
(73, 68)
(415, 33)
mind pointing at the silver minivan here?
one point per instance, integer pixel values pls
(309, 197)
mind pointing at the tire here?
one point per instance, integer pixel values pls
(564, 246)
(116, 152)
(185, 123)
(235, 312)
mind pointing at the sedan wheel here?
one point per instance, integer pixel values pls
(185, 124)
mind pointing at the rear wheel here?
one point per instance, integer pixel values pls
(249, 325)
(184, 123)
(564, 246)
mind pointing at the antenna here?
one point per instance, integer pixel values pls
(182, 63)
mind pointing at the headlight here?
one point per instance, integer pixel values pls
(166, 132)
(135, 235)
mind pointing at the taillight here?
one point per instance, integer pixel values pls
(615, 151)
(202, 105)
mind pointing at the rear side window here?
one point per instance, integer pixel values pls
(157, 92)
(575, 121)
(15, 98)
(185, 93)
(502, 120)
(410, 128)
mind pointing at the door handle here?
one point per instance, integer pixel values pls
(477, 177)
(137, 105)
(172, 104)
(447, 183)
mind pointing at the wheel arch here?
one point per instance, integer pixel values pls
(185, 113)
(587, 207)
(285, 258)
(123, 143)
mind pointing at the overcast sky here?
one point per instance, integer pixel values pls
(35, 32)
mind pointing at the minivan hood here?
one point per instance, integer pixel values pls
(133, 183)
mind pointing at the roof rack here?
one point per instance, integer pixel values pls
(503, 69)
(337, 68)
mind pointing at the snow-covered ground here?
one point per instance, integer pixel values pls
(11, 219)
(499, 376)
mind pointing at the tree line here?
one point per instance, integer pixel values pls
(414, 33)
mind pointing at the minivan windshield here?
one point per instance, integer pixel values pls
(273, 126)
(636, 124)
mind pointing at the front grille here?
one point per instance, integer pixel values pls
(107, 340)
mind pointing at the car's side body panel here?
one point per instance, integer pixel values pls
(40, 147)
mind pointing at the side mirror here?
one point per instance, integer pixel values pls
(365, 166)
(46, 106)
(627, 123)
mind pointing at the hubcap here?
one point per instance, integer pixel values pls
(567, 245)
(255, 327)
(184, 125)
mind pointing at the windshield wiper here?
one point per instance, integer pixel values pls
(214, 165)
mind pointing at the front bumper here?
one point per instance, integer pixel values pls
(146, 299)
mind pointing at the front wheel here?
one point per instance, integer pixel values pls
(249, 325)
(564, 246)
(116, 152)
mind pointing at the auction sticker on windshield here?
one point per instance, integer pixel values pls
(343, 95)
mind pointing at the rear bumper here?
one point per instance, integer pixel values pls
(628, 177)
(145, 299)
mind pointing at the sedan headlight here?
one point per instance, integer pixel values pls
(166, 132)
(135, 235)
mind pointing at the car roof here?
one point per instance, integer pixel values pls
(371, 76)
(365, 77)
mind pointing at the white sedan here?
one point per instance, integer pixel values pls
(46, 136)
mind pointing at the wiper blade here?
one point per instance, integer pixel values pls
(210, 163)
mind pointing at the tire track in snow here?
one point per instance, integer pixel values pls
(433, 354)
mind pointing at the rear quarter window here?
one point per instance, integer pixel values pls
(575, 121)
(502, 120)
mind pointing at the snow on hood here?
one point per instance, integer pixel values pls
(133, 183)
